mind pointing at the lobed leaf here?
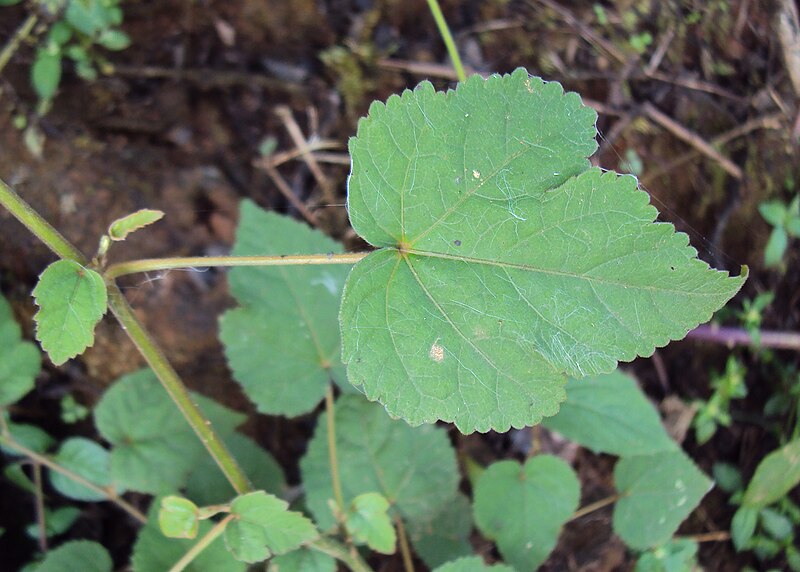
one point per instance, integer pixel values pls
(610, 414)
(414, 468)
(523, 507)
(20, 361)
(504, 262)
(657, 492)
(71, 300)
(282, 342)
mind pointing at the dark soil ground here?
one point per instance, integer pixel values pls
(179, 124)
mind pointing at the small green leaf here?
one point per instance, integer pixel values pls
(178, 517)
(114, 40)
(505, 263)
(743, 526)
(71, 301)
(776, 475)
(86, 16)
(264, 527)
(154, 552)
(472, 564)
(677, 555)
(87, 459)
(207, 485)
(57, 522)
(14, 473)
(774, 212)
(289, 311)
(60, 33)
(776, 247)
(777, 525)
(414, 468)
(445, 536)
(122, 227)
(302, 560)
(657, 493)
(46, 73)
(30, 436)
(368, 521)
(504, 498)
(77, 556)
(154, 449)
(610, 414)
(728, 477)
(20, 361)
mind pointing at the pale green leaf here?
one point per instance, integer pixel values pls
(776, 475)
(776, 247)
(777, 525)
(743, 526)
(178, 517)
(154, 552)
(414, 468)
(114, 40)
(122, 227)
(445, 536)
(472, 564)
(20, 361)
(86, 16)
(523, 507)
(657, 493)
(71, 301)
(302, 560)
(88, 460)
(282, 342)
(56, 521)
(264, 527)
(29, 436)
(46, 73)
(207, 485)
(677, 555)
(154, 448)
(610, 414)
(77, 556)
(774, 212)
(504, 262)
(369, 523)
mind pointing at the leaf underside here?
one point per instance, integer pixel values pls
(505, 263)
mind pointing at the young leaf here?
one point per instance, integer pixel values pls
(71, 301)
(302, 560)
(472, 564)
(56, 521)
(264, 527)
(20, 361)
(776, 475)
(657, 493)
(178, 517)
(207, 485)
(414, 468)
(678, 555)
(610, 414)
(154, 552)
(87, 459)
(77, 556)
(295, 321)
(46, 73)
(153, 447)
(369, 522)
(504, 497)
(445, 536)
(504, 262)
(122, 227)
(776, 247)
(743, 526)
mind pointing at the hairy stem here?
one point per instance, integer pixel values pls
(151, 264)
(444, 30)
(202, 544)
(19, 36)
(8, 441)
(739, 336)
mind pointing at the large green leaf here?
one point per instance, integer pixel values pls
(445, 536)
(154, 446)
(610, 414)
(71, 301)
(504, 262)
(282, 342)
(19, 360)
(87, 459)
(775, 476)
(657, 493)
(414, 468)
(77, 556)
(522, 507)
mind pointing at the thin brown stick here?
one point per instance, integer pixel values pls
(730, 337)
(692, 139)
(590, 508)
(285, 115)
(424, 68)
(405, 550)
(286, 191)
(41, 522)
(715, 536)
(278, 159)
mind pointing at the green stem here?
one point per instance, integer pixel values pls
(444, 30)
(202, 544)
(8, 441)
(330, 411)
(175, 388)
(152, 264)
(19, 36)
(351, 558)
